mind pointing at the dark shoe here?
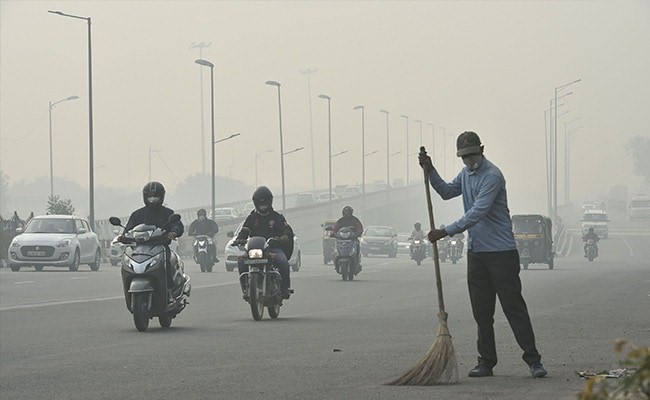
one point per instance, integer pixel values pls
(287, 293)
(216, 260)
(480, 371)
(537, 370)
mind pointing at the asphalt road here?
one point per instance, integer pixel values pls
(68, 335)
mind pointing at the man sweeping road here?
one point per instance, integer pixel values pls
(492, 257)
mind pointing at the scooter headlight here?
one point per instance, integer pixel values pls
(255, 253)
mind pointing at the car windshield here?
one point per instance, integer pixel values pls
(378, 231)
(50, 225)
(403, 237)
(527, 225)
(640, 203)
(595, 217)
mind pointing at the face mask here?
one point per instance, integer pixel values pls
(473, 161)
(153, 200)
(201, 217)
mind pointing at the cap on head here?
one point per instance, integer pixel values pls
(468, 142)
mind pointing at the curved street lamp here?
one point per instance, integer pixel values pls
(387, 148)
(51, 158)
(206, 63)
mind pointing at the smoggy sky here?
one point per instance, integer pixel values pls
(491, 67)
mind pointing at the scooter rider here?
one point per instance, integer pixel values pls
(417, 234)
(266, 222)
(591, 235)
(204, 226)
(352, 222)
(154, 213)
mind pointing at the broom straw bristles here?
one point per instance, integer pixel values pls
(439, 366)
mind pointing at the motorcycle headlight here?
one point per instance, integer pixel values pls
(255, 253)
(64, 243)
(453, 242)
(362, 240)
(416, 241)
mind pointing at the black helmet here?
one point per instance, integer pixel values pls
(591, 230)
(468, 143)
(347, 211)
(417, 226)
(263, 200)
(201, 212)
(153, 194)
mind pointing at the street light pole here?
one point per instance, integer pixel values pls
(407, 147)
(363, 148)
(433, 142)
(51, 158)
(329, 141)
(308, 72)
(91, 173)
(205, 63)
(277, 84)
(557, 89)
(256, 157)
(387, 149)
(201, 46)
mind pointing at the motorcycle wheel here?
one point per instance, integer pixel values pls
(418, 261)
(591, 259)
(344, 271)
(453, 261)
(525, 265)
(257, 308)
(140, 312)
(202, 259)
(550, 264)
(274, 311)
(165, 320)
(350, 274)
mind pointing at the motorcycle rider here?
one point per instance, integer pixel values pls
(417, 234)
(266, 222)
(204, 226)
(353, 223)
(591, 235)
(154, 213)
(444, 245)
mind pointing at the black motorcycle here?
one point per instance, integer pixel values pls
(203, 252)
(418, 252)
(263, 278)
(443, 250)
(455, 250)
(591, 249)
(144, 275)
(346, 256)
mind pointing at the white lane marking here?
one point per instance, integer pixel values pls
(79, 277)
(629, 248)
(23, 282)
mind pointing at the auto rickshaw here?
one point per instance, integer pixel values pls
(534, 236)
(328, 241)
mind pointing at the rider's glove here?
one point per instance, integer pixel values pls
(171, 235)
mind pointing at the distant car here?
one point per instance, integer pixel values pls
(351, 191)
(325, 197)
(117, 249)
(404, 243)
(305, 199)
(225, 214)
(640, 207)
(379, 240)
(596, 219)
(57, 241)
(232, 253)
(248, 208)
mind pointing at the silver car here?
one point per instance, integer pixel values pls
(57, 241)
(233, 253)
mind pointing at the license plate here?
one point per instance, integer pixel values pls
(255, 261)
(36, 253)
(374, 248)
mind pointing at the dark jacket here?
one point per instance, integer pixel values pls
(271, 225)
(157, 216)
(352, 222)
(203, 227)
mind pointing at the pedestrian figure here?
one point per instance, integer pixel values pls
(492, 257)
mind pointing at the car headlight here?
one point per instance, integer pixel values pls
(64, 243)
(15, 243)
(255, 253)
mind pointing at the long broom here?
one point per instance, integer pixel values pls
(439, 366)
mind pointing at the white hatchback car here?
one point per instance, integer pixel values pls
(57, 241)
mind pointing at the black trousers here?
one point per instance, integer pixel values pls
(492, 274)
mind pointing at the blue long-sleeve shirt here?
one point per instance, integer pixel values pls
(486, 218)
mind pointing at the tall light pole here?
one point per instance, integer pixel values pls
(566, 159)
(417, 121)
(205, 63)
(91, 161)
(51, 158)
(387, 149)
(433, 142)
(307, 72)
(257, 155)
(277, 85)
(407, 147)
(329, 140)
(557, 89)
(548, 141)
(363, 148)
(201, 46)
